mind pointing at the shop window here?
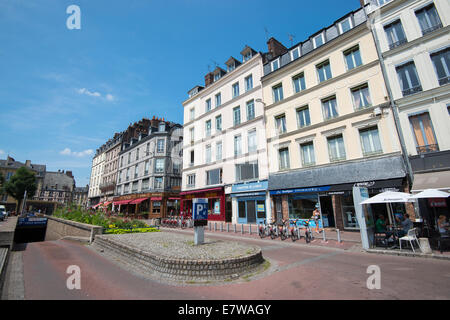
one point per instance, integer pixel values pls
(241, 210)
(260, 209)
(348, 213)
(156, 207)
(301, 206)
(214, 206)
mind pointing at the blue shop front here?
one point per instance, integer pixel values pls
(250, 202)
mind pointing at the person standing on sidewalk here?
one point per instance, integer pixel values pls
(316, 217)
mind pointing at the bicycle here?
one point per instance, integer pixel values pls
(308, 232)
(283, 230)
(262, 230)
(273, 230)
(294, 231)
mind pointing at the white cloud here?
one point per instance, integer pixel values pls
(68, 152)
(89, 93)
(109, 97)
(2, 152)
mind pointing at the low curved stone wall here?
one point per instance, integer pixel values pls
(182, 269)
(58, 228)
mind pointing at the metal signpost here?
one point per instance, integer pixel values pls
(200, 217)
(364, 220)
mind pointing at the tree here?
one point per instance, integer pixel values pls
(23, 180)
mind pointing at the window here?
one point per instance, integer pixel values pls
(214, 176)
(162, 127)
(277, 93)
(134, 187)
(409, 80)
(235, 90)
(361, 97)
(129, 157)
(218, 98)
(299, 82)
(192, 158)
(236, 116)
(217, 76)
(136, 171)
(192, 114)
(159, 183)
(283, 158)
(208, 128)
(231, 67)
(128, 174)
(252, 143)
(345, 25)
(275, 64)
(249, 83)
(324, 71)
(137, 154)
(280, 122)
(370, 141)
(318, 41)
(382, 2)
(120, 176)
(176, 166)
(336, 148)
(247, 56)
(395, 34)
(424, 133)
(218, 151)
(219, 123)
(247, 171)
(126, 188)
(303, 118)
(208, 105)
(121, 161)
(208, 153)
(147, 167)
(353, 58)
(159, 165)
(441, 61)
(250, 110)
(191, 133)
(237, 145)
(428, 19)
(160, 145)
(191, 180)
(329, 107)
(307, 153)
(145, 184)
(295, 53)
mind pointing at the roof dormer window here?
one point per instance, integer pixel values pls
(318, 40)
(247, 56)
(231, 67)
(162, 127)
(216, 76)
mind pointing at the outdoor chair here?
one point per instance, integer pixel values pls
(442, 239)
(411, 237)
(379, 237)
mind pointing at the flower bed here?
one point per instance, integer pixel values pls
(111, 225)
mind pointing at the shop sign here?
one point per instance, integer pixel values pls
(251, 186)
(301, 190)
(217, 207)
(249, 194)
(261, 208)
(364, 184)
(437, 203)
(211, 195)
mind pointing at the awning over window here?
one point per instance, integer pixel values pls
(174, 198)
(156, 198)
(106, 203)
(97, 205)
(136, 201)
(116, 203)
(431, 180)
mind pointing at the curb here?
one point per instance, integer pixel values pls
(409, 254)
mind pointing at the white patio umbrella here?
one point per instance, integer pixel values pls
(431, 193)
(389, 197)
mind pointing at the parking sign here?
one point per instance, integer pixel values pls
(200, 209)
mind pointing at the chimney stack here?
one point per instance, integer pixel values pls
(209, 79)
(275, 47)
(28, 163)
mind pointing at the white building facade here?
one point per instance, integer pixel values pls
(224, 152)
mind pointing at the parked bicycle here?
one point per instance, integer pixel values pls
(294, 231)
(308, 232)
(284, 234)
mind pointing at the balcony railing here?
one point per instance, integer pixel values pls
(412, 90)
(427, 148)
(397, 44)
(444, 80)
(108, 186)
(432, 28)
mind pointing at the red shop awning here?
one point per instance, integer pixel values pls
(135, 201)
(116, 203)
(106, 203)
(174, 198)
(97, 205)
(201, 191)
(156, 199)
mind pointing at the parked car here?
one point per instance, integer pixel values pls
(3, 214)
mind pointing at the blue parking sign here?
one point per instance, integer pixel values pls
(200, 209)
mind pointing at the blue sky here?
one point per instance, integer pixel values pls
(63, 92)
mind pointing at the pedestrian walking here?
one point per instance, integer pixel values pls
(316, 217)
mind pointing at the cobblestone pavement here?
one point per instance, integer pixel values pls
(167, 244)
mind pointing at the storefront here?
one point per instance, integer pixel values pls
(250, 202)
(216, 202)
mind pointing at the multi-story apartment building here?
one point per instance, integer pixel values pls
(8, 168)
(225, 158)
(149, 175)
(58, 187)
(329, 123)
(413, 41)
(111, 168)
(96, 176)
(80, 196)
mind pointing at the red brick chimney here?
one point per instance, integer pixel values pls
(209, 79)
(275, 47)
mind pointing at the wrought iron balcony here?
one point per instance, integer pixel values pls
(412, 90)
(108, 186)
(397, 44)
(444, 80)
(428, 148)
(432, 28)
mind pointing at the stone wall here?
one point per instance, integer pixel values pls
(59, 228)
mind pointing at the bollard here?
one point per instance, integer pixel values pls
(324, 237)
(338, 235)
(215, 226)
(221, 227)
(228, 227)
(209, 226)
(234, 226)
(242, 228)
